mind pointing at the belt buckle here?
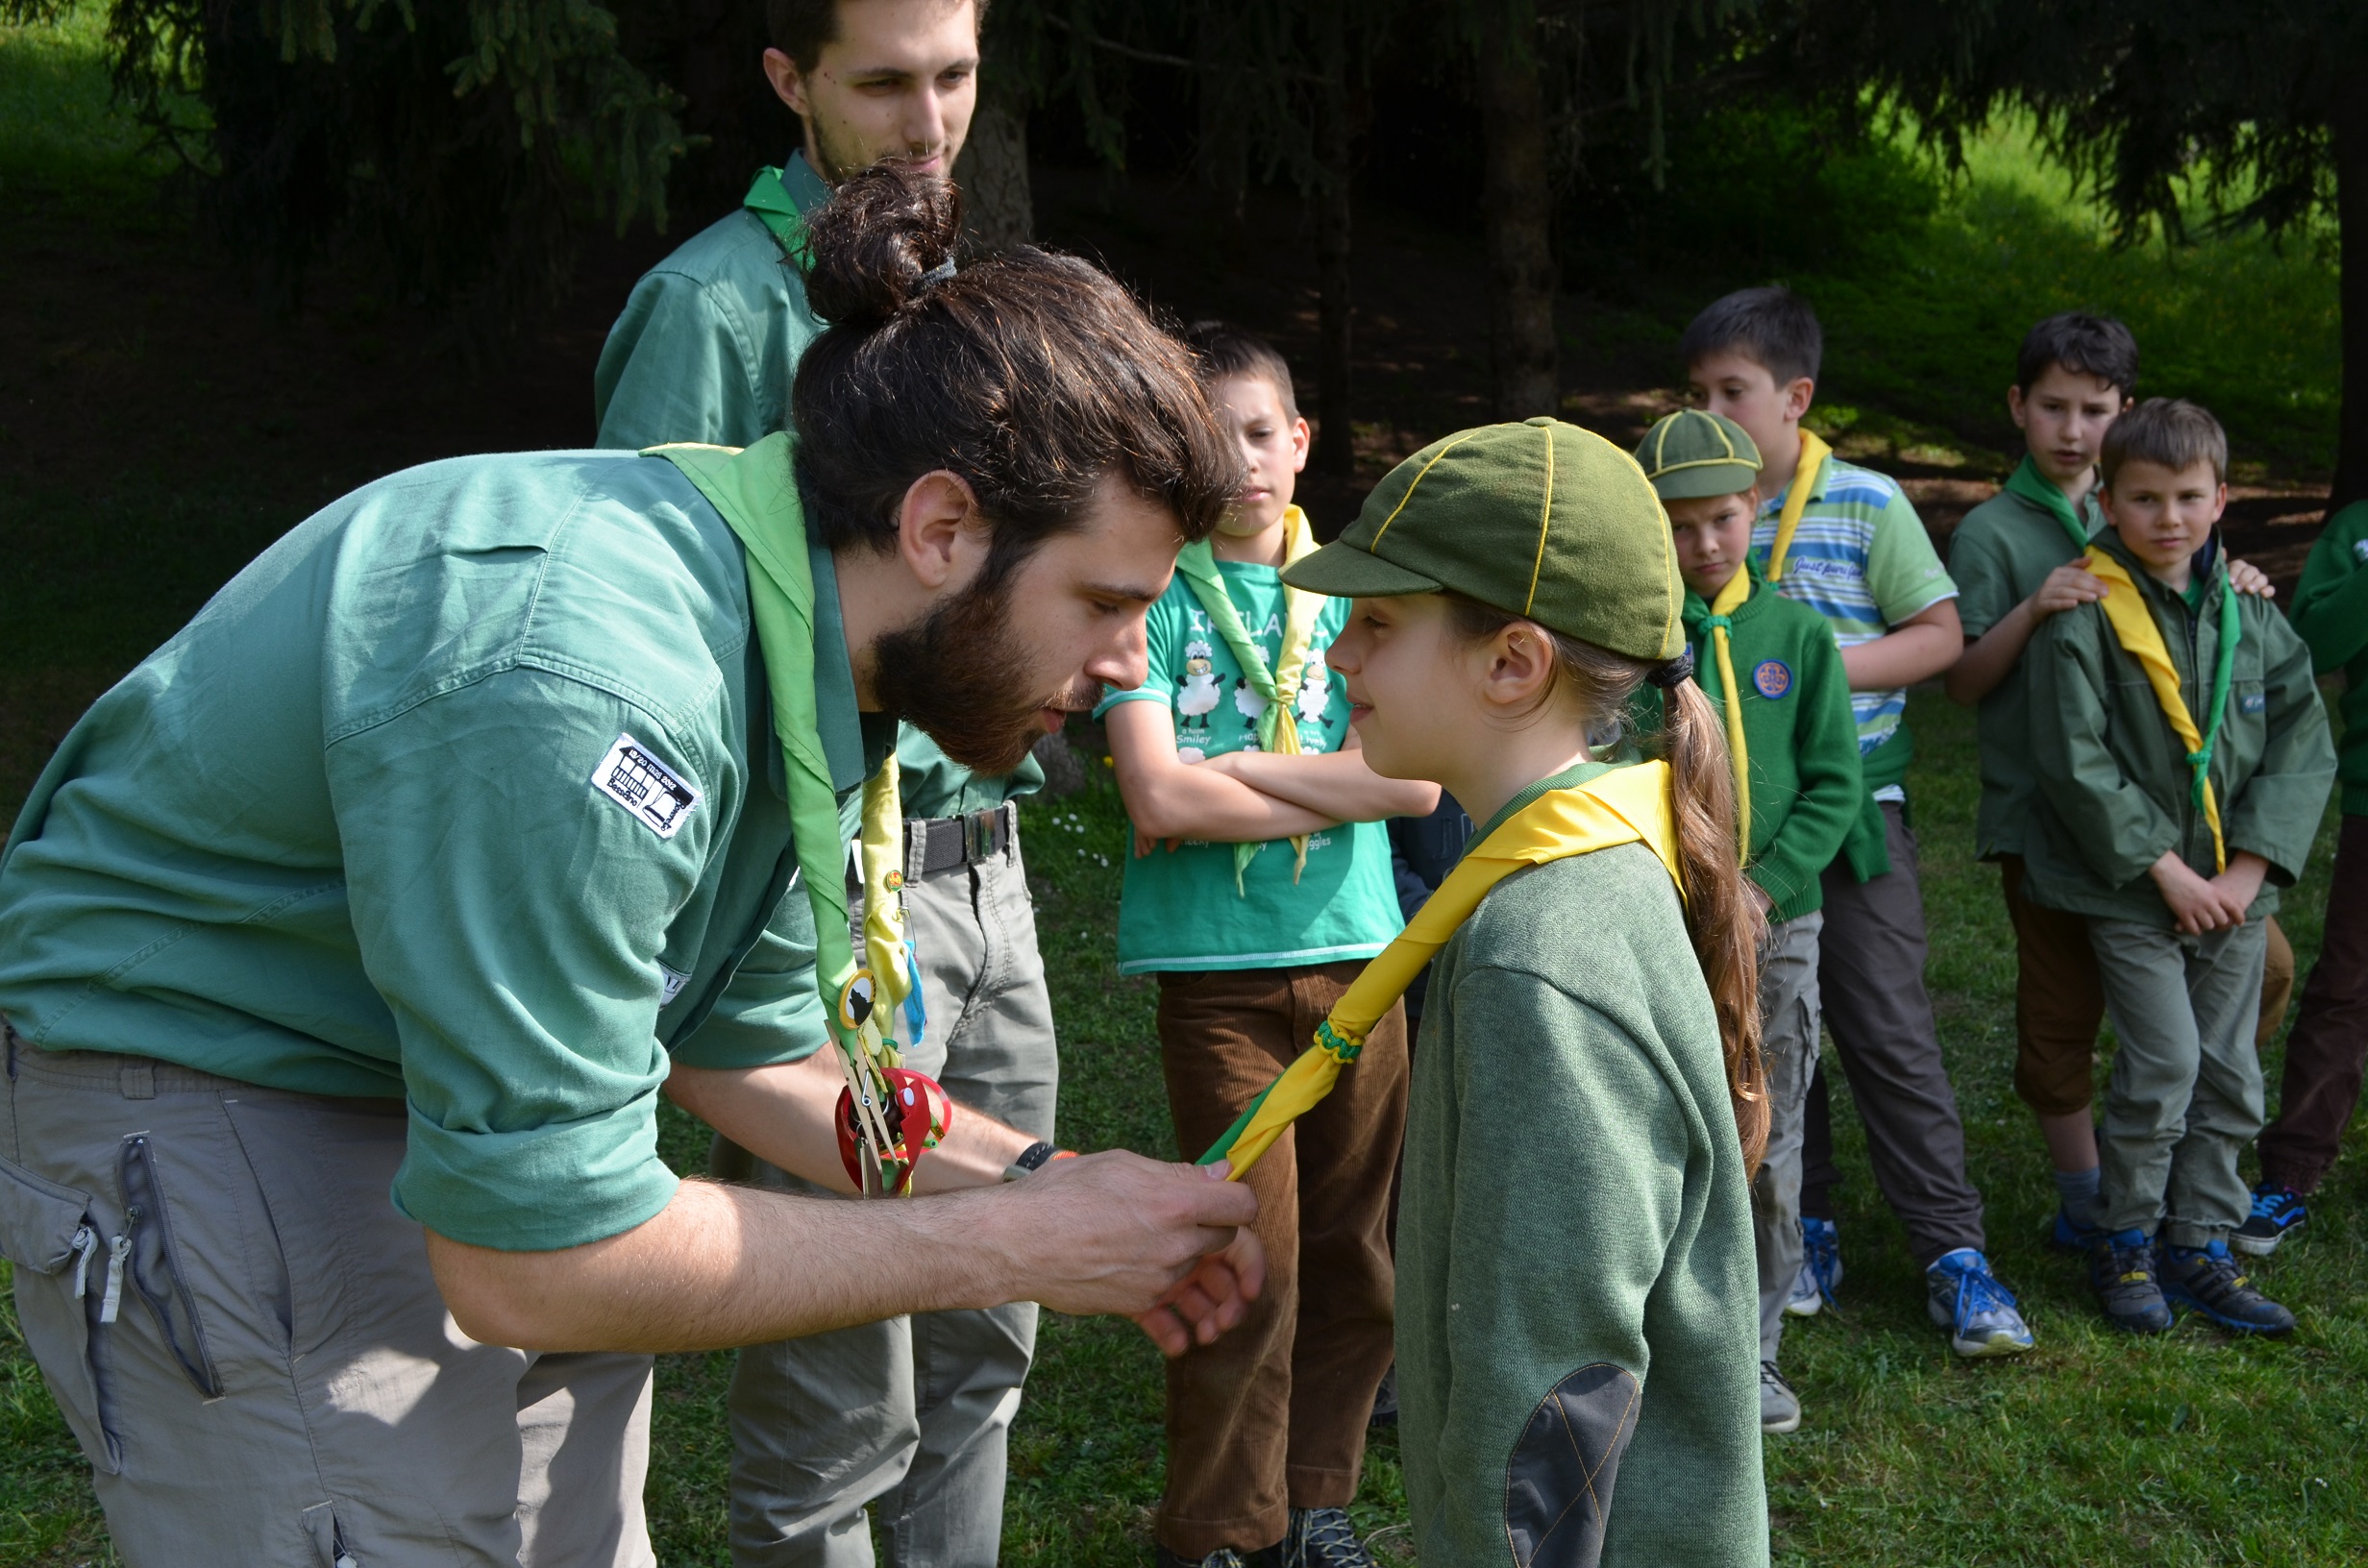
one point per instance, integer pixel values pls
(978, 837)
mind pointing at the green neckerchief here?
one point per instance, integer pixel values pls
(2037, 488)
(771, 202)
(1277, 729)
(2223, 664)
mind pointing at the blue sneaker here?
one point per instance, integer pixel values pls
(1966, 1299)
(1820, 1268)
(2071, 1235)
(2207, 1281)
(2122, 1272)
(2278, 1213)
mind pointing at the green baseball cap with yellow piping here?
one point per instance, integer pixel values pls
(1541, 520)
(1694, 453)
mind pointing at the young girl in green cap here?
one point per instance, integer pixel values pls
(1576, 1333)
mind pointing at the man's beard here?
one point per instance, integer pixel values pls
(963, 676)
(841, 157)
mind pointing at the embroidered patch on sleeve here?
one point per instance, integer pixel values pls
(657, 796)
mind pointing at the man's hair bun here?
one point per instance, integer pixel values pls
(874, 244)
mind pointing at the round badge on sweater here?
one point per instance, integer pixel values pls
(1773, 677)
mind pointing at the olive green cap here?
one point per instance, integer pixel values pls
(1692, 453)
(1541, 520)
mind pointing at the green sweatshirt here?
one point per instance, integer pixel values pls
(2115, 785)
(1799, 733)
(1577, 1301)
(2331, 611)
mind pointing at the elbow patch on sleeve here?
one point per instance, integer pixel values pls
(1558, 1482)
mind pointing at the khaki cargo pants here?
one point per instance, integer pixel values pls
(245, 1337)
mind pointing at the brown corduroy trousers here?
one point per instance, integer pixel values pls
(1272, 1416)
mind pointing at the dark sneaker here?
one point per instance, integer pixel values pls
(2278, 1213)
(1323, 1538)
(2069, 1235)
(1224, 1557)
(1384, 1400)
(1965, 1298)
(2121, 1270)
(2207, 1280)
(1780, 1408)
(1821, 1273)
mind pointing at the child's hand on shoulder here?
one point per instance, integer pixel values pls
(2197, 905)
(2068, 587)
(2248, 578)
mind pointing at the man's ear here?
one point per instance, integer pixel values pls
(938, 509)
(788, 82)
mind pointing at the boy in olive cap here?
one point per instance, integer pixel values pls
(1770, 668)
(1575, 1326)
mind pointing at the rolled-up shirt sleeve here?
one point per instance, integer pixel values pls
(510, 913)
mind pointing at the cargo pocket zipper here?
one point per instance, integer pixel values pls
(147, 1239)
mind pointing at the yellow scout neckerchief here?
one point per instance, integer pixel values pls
(1278, 730)
(1814, 454)
(2133, 628)
(1626, 805)
(888, 1116)
(1718, 625)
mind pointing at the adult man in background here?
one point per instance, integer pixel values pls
(913, 1414)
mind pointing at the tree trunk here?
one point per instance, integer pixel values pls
(1335, 457)
(1518, 205)
(2351, 140)
(999, 212)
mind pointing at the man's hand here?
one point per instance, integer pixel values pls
(2196, 904)
(2067, 588)
(2248, 578)
(1116, 1233)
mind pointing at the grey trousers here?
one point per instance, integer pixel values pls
(278, 1383)
(1788, 1046)
(911, 1415)
(1870, 971)
(2186, 1094)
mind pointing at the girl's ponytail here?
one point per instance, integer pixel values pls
(1724, 918)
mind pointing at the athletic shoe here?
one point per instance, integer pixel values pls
(1384, 1400)
(2121, 1270)
(2071, 1235)
(1323, 1538)
(1820, 1268)
(1780, 1408)
(1965, 1298)
(2207, 1280)
(2278, 1213)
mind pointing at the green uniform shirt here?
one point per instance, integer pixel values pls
(1999, 556)
(706, 350)
(1181, 910)
(1862, 559)
(2115, 785)
(2331, 612)
(464, 791)
(1575, 1209)
(1798, 733)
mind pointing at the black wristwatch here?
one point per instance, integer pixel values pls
(1035, 1157)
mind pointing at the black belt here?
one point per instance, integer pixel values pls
(937, 846)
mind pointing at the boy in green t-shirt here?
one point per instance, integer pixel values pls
(2017, 561)
(1771, 671)
(1260, 882)
(1846, 542)
(2183, 760)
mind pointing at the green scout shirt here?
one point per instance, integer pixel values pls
(1181, 910)
(706, 350)
(1862, 559)
(1575, 1259)
(2331, 612)
(1798, 733)
(2115, 785)
(465, 791)
(1999, 556)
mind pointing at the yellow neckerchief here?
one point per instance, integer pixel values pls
(1814, 454)
(1278, 729)
(750, 492)
(1626, 805)
(1736, 589)
(2133, 628)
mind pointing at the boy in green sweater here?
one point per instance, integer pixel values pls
(2182, 761)
(2324, 1053)
(1770, 668)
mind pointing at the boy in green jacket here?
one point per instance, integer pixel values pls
(2182, 759)
(1771, 669)
(2323, 1054)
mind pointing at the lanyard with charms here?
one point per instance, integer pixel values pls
(888, 1116)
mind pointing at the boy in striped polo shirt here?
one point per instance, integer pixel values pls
(1846, 542)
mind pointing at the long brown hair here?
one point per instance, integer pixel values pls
(1721, 916)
